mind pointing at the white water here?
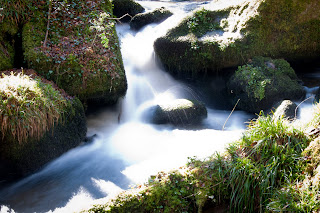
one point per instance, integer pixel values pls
(129, 152)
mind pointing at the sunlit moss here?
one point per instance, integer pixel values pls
(29, 107)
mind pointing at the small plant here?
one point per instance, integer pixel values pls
(254, 79)
(268, 156)
(204, 21)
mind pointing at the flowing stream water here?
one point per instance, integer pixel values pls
(127, 150)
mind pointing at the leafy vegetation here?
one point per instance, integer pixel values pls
(28, 105)
(263, 82)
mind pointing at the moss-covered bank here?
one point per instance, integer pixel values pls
(72, 43)
(274, 167)
(39, 122)
(227, 36)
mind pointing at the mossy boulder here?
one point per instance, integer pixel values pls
(142, 19)
(73, 44)
(39, 122)
(228, 36)
(287, 110)
(262, 83)
(180, 112)
(82, 57)
(123, 7)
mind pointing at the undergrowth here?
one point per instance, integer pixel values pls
(28, 106)
(255, 174)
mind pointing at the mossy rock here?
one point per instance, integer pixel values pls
(286, 110)
(262, 83)
(142, 19)
(122, 7)
(82, 57)
(38, 122)
(209, 41)
(179, 112)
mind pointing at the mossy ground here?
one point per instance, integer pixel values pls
(272, 168)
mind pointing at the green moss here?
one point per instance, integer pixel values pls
(262, 83)
(277, 29)
(82, 58)
(38, 122)
(286, 29)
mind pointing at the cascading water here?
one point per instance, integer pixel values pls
(126, 150)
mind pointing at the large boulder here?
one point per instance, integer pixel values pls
(180, 112)
(262, 83)
(142, 19)
(220, 37)
(73, 44)
(123, 7)
(38, 122)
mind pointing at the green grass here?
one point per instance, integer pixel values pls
(256, 174)
(28, 106)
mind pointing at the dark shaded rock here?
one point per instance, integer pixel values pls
(122, 7)
(143, 19)
(286, 110)
(262, 83)
(90, 139)
(181, 112)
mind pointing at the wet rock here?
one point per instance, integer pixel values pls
(90, 139)
(143, 19)
(286, 110)
(180, 112)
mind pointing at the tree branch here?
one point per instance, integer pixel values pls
(48, 23)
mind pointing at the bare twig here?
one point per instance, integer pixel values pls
(118, 19)
(295, 111)
(230, 114)
(48, 23)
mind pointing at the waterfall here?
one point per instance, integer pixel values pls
(127, 150)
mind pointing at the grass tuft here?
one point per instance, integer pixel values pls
(28, 106)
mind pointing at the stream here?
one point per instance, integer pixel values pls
(127, 150)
